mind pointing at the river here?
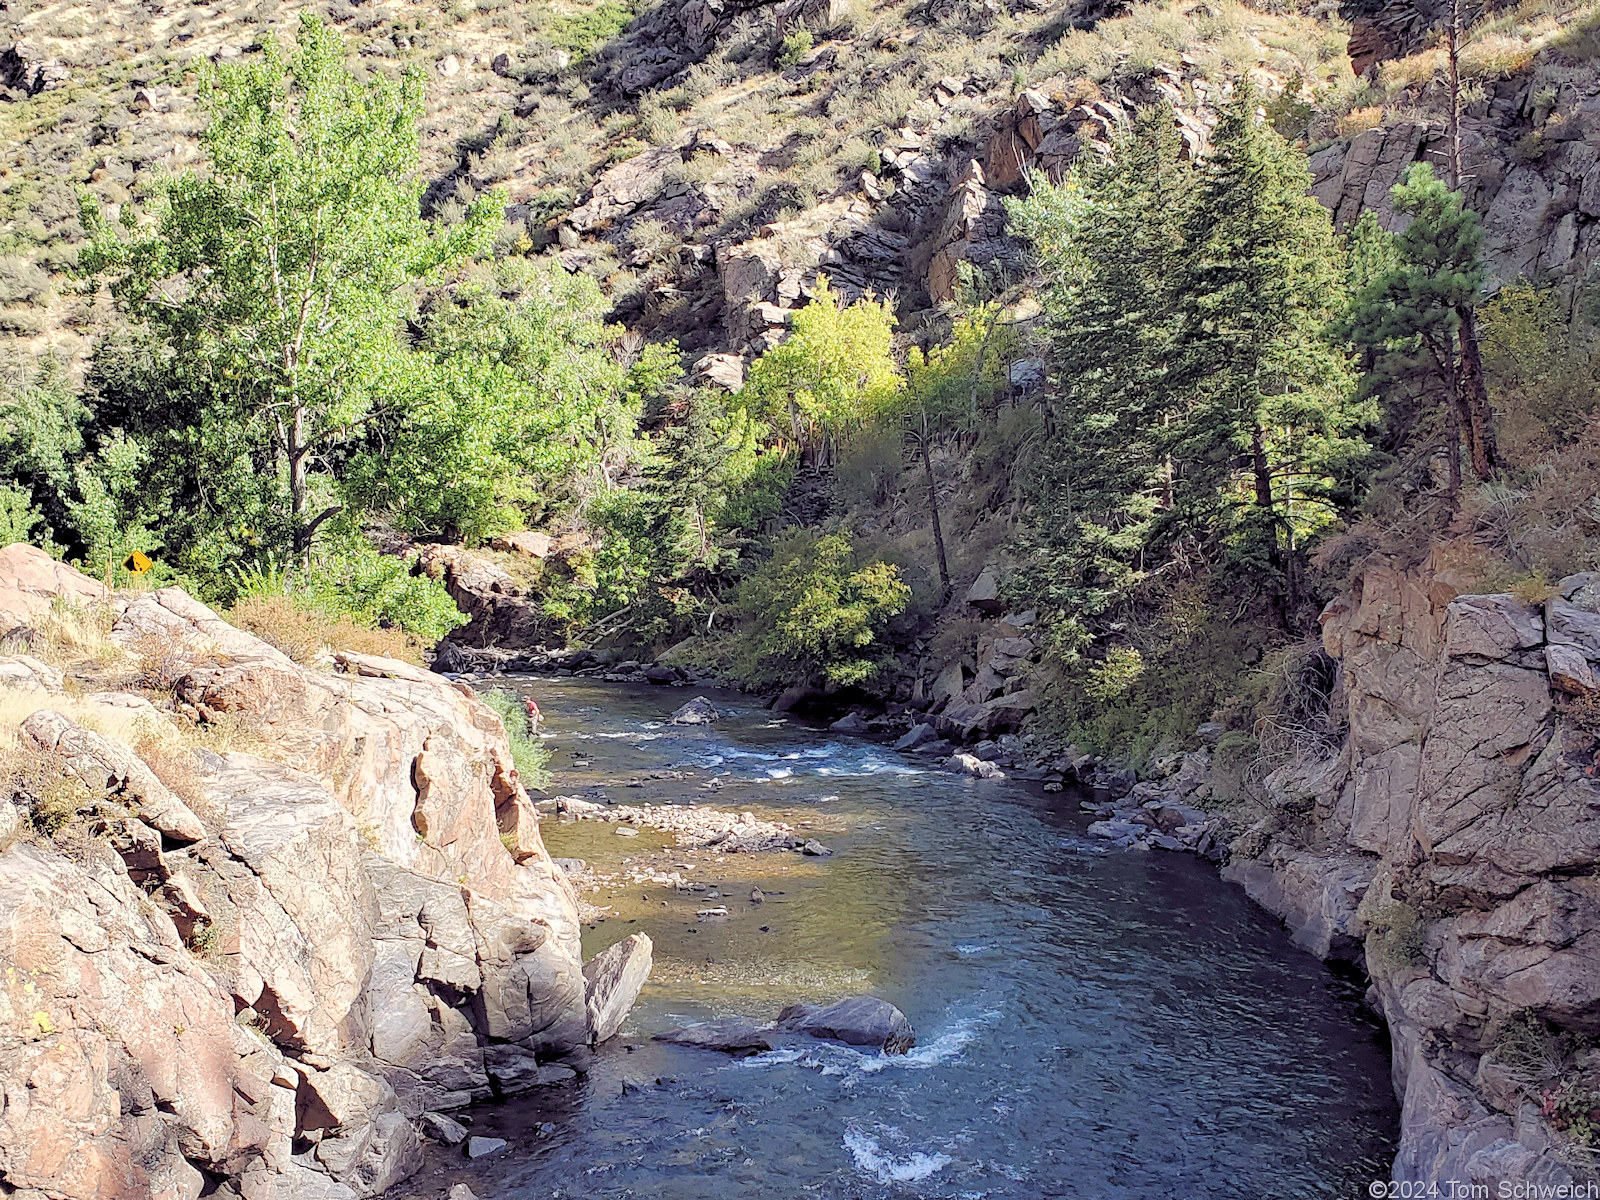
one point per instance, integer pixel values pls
(1090, 1023)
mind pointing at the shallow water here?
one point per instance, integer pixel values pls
(1089, 1024)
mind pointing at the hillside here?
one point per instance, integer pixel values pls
(701, 160)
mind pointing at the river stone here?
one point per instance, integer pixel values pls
(918, 735)
(849, 723)
(855, 1021)
(613, 979)
(731, 1035)
(482, 1147)
(461, 1191)
(698, 711)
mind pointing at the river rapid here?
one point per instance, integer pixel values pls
(1090, 1023)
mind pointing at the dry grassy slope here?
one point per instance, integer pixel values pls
(727, 140)
(705, 169)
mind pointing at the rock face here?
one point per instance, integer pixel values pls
(273, 977)
(856, 1021)
(1449, 843)
(1529, 168)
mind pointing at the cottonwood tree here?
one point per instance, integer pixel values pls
(276, 279)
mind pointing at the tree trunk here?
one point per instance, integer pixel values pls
(1453, 446)
(933, 510)
(1475, 398)
(1260, 467)
(297, 486)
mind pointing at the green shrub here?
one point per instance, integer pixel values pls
(813, 614)
(359, 583)
(1399, 936)
(531, 758)
(795, 47)
(582, 32)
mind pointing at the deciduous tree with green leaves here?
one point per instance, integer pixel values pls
(277, 278)
(835, 371)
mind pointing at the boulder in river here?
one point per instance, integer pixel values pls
(698, 711)
(918, 735)
(731, 1035)
(613, 979)
(849, 723)
(482, 1147)
(855, 1021)
(969, 764)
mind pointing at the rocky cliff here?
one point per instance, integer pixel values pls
(1450, 842)
(347, 921)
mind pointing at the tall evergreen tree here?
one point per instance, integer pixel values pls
(1263, 382)
(1423, 300)
(1109, 240)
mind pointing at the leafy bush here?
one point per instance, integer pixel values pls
(348, 591)
(530, 757)
(813, 613)
(795, 47)
(581, 32)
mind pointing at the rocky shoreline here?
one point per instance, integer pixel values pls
(266, 930)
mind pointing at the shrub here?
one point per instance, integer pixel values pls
(295, 625)
(813, 614)
(795, 47)
(357, 583)
(531, 758)
(1398, 936)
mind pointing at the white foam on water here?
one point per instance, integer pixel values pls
(965, 949)
(835, 1058)
(780, 772)
(872, 1160)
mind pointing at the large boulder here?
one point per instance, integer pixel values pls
(612, 979)
(855, 1021)
(31, 581)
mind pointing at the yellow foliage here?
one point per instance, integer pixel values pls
(835, 372)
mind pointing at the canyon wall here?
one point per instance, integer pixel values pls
(1450, 843)
(347, 921)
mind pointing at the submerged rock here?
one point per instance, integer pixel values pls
(730, 1035)
(698, 711)
(482, 1147)
(855, 1021)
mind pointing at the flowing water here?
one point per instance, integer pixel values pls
(1089, 1023)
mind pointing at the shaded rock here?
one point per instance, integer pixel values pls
(1570, 671)
(698, 711)
(917, 736)
(442, 1129)
(856, 1021)
(612, 980)
(984, 594)
(814, 849)
(850, 723)
(731, 1035)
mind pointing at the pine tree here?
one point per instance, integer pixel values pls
(1424, 300)
(1109, 239)
(1263, 382)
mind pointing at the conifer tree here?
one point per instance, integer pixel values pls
(1423, 300)
(1263, 381)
